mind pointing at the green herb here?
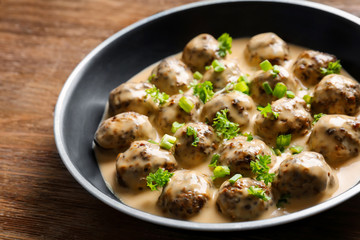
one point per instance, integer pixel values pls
(204, 91)
(197, 75)
(280, 90)
(267, 110)
(156, 95)
(234, 178)
(152, 141)
(175, 126)
(190, 131)
(225, 42)
(249, 136)
(258, 192)
(267, 66)
(242, 85)
(308, 99)
(221, 171)
(296, 149)
(158, 179)
(317, 117)
(277, 151)
(224, 127)
(283, 141)
(218, 66)
(284, 198)
(333, 67)
(267, 88)
(167, 141)
(215, 158)
(290, 94)
(261, 169)
(181, 91)
(151, 77)
(186, 104)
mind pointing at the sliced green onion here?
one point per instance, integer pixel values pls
(218, 66)
(280, 90)
(242, 87)
(244, 78)
(215, 158)
(167, 141)
(266, 65)
(267, 88)
(221, 171)
(283, 141)
(197, 75)
(249, 136)
(308, 99)
(290, 94)
(190, 131)
(234, 178)
(207, 67)
(277, 151)
(186, 104)
(151, 77)
(296, 149)
(152, 141)
(175, 126)
(317, 117)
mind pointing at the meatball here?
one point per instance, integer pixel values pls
(336, 94)
(172, 112)
(294, 118)
(221, 79)
(239, 104)
(237, 153)
(257, 91)
(200, 52)
(189, 155)
(308, 64)
(185, 194)
(235, 202)
(131, 97)
(171, 75)
(336, 137)
(304, 174)
(142, 158)
(266, 46)
(119, 131)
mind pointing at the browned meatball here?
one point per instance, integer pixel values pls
(266, 46)
(305, 174)
(239, 104)
(336, 137)
(142, 158)
(188, 155)
(185, 194)
(235, 202)
(294, 118)
(257, 91)
(336, 94)
(131, 97)
(171, 75)
(200, 52)
(221, 79)
(237, 153)
(171, 112)
(119, 131)
(308, 64)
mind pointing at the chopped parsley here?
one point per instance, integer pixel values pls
(267, 110)
(225, 42)
(190, 131)
(258, 192)
(156, 95)
(284, 198)
(175, 126)
(333, 67)
(158, 179)
(317, 117)
(224, 127)
(261, 169)
(215, 158)
(204, 91)
(249, 136)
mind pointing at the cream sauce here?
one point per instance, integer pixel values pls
(347, 174)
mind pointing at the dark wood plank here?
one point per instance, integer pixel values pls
(41, 41)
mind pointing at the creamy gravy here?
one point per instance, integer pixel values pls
(347, 174)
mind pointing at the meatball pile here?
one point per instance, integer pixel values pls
(231, 140)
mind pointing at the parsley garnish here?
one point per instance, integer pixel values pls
(190, 131)
(158, 179)
(258, 192)
(204, 91)
(317, 117)
(151, 77)
(261, 169)
(157, 96)
(224, 127)
(333, 67)
(265, 110)
(284, 198)
(225, 42)
(249, 136)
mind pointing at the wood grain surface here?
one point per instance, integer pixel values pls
(41, 41)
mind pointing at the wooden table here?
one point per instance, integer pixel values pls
(41, 41)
